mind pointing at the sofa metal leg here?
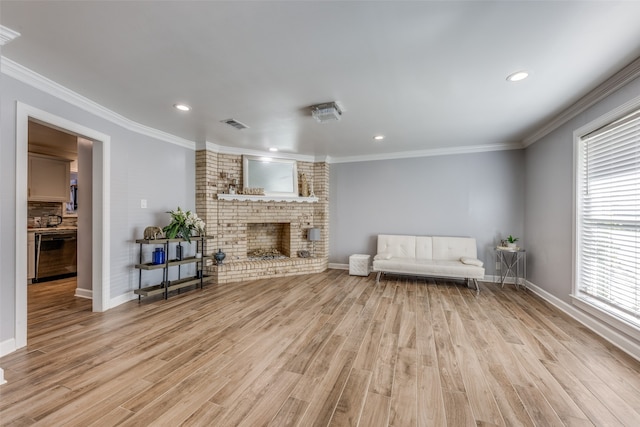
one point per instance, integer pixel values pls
(378, 277)
(477, 286)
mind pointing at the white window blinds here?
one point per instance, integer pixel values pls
(608, 239)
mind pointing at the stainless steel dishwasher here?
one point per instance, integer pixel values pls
(56, 254)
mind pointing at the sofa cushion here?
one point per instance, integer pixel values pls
(452, 248)
(424, 247)
(435, 268)
(471, 261)
(384, 255)
(398, 246)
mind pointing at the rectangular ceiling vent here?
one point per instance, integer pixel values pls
(236, 124)
(326, 112)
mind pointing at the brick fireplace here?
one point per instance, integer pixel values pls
(241, 226)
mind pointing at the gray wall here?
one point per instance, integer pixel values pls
(478, 195)
(85, 221)
(141, 167)
(549, 198)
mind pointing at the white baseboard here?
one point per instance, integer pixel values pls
(8, 346)
(84, 293)
(2, 380)
(605, 331)
(114, 302)
(336, 266)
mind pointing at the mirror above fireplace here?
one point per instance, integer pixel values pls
(278, 177)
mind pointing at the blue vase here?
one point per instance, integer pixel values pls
(219, 256)
(158, 256)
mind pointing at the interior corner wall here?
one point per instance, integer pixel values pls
(141, 167)
(549, 198)
(478, 195)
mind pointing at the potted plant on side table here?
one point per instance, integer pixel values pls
(511, 242)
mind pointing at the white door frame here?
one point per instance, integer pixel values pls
(100, 260)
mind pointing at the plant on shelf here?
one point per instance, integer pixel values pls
(511, 241)
(183, 224)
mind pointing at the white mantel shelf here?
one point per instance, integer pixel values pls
(244, 198)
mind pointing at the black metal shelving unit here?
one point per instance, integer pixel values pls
(167, 285)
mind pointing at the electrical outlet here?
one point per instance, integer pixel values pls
(143, 203)
(497, 265)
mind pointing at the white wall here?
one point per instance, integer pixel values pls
(141, 167)
(478, 195)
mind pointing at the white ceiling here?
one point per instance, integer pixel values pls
(427, 75)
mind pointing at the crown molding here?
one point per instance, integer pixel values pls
(429, 153)
(210, 146)
(27, 76)
(323, 159)
(31, 78)
(223, 149)
(7, 34)
(619, 79)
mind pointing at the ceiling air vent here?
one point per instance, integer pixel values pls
(326, 112)
(236, 124)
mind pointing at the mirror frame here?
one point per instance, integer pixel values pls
(291, 165)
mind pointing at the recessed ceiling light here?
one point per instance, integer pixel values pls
(378, 137)
(182, 107)
(273, 149)
(516, 77)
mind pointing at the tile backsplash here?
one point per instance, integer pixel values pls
(42, 209)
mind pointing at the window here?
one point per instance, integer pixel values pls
(608, 220)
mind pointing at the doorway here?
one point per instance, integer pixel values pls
(52, 218)
(99, 229)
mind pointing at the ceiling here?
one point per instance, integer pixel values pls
(426, 75)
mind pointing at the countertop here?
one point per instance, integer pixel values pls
(52, 230)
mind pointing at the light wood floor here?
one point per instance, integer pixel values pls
(326, 349)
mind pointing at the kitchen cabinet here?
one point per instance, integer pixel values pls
(48, 179)
(31, 255)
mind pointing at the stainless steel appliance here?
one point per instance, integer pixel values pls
(56, 254)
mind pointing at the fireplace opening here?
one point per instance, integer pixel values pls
(268, 241)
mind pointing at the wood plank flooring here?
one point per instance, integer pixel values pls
(316, 350)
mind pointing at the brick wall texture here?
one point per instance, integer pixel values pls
(240, 226)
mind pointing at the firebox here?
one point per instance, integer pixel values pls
(268, 240)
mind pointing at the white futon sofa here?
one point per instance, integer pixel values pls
(449, 257)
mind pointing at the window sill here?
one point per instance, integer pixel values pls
(620, 321)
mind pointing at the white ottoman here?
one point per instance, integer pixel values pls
(359, 265)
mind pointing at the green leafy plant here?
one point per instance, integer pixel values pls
(512, 239)
(183, 224)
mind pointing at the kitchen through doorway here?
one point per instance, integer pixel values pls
(59, 209)
(51, 225)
